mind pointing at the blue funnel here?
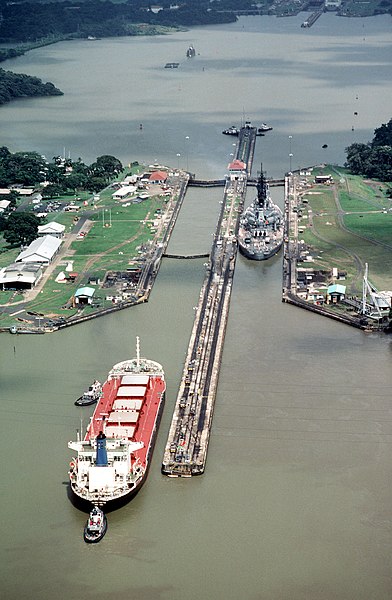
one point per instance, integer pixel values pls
(102, 455)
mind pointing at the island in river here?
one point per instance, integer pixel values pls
(19, 85)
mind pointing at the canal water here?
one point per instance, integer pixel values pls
(296, 498)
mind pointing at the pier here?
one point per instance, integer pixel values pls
(291, 256)
(312, 18)
(186, 447)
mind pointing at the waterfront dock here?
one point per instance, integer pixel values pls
(312, 18)
(187, 443)
(152, 259)
(292, 255)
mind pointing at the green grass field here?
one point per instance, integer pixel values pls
(347, 241)
(115, 232)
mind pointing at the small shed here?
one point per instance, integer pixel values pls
(157, 177)
(326, 179)
(84, 295)
(236, 168)
(336, 293)
(4, 204)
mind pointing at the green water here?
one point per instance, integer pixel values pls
(296, 499)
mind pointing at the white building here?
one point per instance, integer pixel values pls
(4, 204)
(42, 250)
(53, 228)
(237, 169)
(20, 276)
(124, 192)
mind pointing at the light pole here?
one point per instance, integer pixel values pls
(290, 153)
(187, 151)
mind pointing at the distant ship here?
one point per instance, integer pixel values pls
(263, 128)
(112, 460)
(191, 52)
(233, 130)
(260, 234)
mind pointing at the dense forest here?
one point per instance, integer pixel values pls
(374, 159)
(14, 85)
(27, 21)
(32, 20)
(58, 176)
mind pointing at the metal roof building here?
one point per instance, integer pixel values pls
(20, 276)
(42, 250)
(53, 228)
(84, 295)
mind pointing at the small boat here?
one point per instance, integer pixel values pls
(233, 130)
(191, 52)
(91, 396)
(324, 146)
(96, 526)
(264, 127)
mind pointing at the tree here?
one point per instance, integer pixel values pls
(383, 135)
(26, 168)
(21, 228)
(375, 158)
(55, 173)
(357, 157)
(107, 166)
(75, 181)
(52, 190)
(95, 184)
(379, 164)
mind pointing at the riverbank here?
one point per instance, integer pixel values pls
(337, 249)
(110, 256)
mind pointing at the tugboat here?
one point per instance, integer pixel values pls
(91, 396)
(233, 130)
(96, 526)
(191, 52)
(264, 127)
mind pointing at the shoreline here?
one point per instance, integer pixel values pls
(300, 268)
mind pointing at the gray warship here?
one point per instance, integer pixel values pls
(260, 233)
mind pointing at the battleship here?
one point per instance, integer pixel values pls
(112, 460)
(260, 233)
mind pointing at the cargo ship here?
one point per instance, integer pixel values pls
(112, 461)
(261, 228)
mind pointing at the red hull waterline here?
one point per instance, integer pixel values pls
(112, 461)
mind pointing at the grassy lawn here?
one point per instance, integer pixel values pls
(115, 232)
(367, 228)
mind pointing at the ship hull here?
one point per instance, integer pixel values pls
(84, 504)
(260, 234)
(258, 254)
(113, 459)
